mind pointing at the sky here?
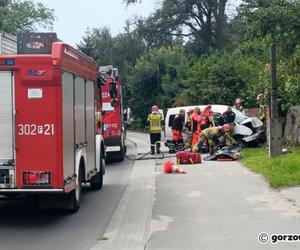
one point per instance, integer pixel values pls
(75, 16)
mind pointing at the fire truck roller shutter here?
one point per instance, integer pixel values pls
(6, 117)
(90, 125)
(68, 124)
(80, 129)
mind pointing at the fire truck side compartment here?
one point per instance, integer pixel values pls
(90, 125)
(68, 124)
(6, 117)
(79, 112)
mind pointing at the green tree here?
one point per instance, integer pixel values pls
(157, 79)
(275, 20)
(288, 81)
(120, 51)
(222, 77)
(155, 33)
(202, 21)
(127, 47)
(98, 43)
(20, 16)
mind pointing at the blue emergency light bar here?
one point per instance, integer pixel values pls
(8, 62)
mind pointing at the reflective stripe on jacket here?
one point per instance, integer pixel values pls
(155, 121)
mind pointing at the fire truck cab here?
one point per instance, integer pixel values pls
(50, 121)
(114, 132)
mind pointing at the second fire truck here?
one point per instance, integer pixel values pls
(112, 103)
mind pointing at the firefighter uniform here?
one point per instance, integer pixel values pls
(239, 108)
(206, 118)
(189, 137)
(196, 127)
(156, 122)
(218, 119)
(229, 117)
(177, 133)
(187, 125)
(177, 127)
(262, 112)
(238, 105)
(211, 135)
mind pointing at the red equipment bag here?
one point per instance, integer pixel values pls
(188, 158)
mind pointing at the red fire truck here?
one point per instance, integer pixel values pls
(112, 103)
(50, 121)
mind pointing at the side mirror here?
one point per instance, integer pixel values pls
(100, 82)
(113, 90)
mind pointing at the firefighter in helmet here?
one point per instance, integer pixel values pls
(206, 117)
(211, 135)
(155, 120)
(177, 127)
(238, 105)
(196, 124)
(229, 116)
(188, 129)
(262, 110)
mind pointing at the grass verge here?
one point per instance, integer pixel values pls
(282, 171)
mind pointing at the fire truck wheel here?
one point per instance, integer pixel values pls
(97, 180)
(121, 154)
(73, 200)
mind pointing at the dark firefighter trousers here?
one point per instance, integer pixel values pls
(155, 139)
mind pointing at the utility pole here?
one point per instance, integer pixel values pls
(275, 126)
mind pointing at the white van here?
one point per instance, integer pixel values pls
(247, 129)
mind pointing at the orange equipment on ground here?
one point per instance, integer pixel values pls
(188, 158)
(169, 168)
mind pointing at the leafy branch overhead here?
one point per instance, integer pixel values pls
(276, 19)
(202, 21)
(18, 16)
(191, 52)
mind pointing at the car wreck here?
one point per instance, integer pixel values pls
(248, 131)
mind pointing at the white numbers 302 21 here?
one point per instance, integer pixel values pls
(34, 129)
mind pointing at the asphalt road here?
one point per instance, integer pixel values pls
(216, 205)
(23, 226)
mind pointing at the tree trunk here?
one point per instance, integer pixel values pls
(220, 22)
(209, 27)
